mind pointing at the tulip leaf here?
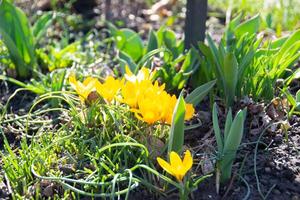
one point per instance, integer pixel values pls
(176, 138)
(217, 130)
(127, 60)
(152, 41)
(298, 96)
(198, 94)
(129, 42)
(230, 77)
(169, 39)
(228, 124)
(41, 25)
(231, 144)
(17, 36)
(250, 26)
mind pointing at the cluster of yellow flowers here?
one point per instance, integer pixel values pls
(149, 101)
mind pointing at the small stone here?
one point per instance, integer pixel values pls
(268, 169)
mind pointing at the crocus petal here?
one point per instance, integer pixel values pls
(166, 166)
(189, 111)
(175, 160)
(72, 81)
(187, 160)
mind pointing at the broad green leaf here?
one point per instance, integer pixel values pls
(235, 134)
(217, 130)
(190, 61)
(278, 42)
(160, 35)
(298, 96)
(127, 59)
(230, 74)
(235, 21)
(206, 51)
(290, 97)
(198, 94)
(295, 37)
(176, 138)
(129, 42)
(250, 26)
(147, 58)
(228, 124)
(169, 38)
(40, 26)
(231, 145)
(17, 36)
(152, 41)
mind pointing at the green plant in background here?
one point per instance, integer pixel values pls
(274, 60)
(59, 58)
(175, 66)
(243, 64)
(20, 38)
(294, 102)
(228, 62)
(16, 34)
(227, 143)
(278, 15)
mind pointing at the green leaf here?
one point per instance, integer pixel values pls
(129, 42)
(231, 145)
(169, 38)
(40, 26)
(230, 74)
(217, 130)
(236, 133)
(191, 61)
(176, 138)
(147, 58)
(250, 26)
(17, 36)
(152, 41)
(278, 42)
(235, 21)
(198, 94)
(127, 60)
(295, 37)
(298, 96)
(228, 124)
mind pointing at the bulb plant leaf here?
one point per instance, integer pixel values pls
(176, 138)
(198, 94)
(230, 142)
(17, 36)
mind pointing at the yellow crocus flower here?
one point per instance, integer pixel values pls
(143, 74)
(109, 88)
(177, 167)
(189, 111)
(133, 91)
(85, 88)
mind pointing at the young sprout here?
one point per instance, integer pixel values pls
(177, 167)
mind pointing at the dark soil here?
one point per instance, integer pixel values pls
(268, 160)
